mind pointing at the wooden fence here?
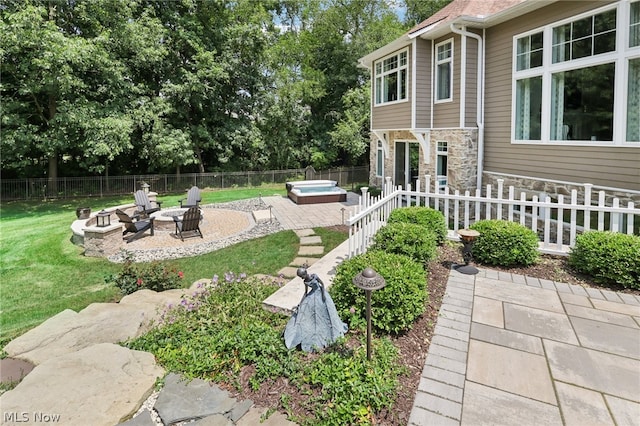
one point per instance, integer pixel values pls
(556, 221)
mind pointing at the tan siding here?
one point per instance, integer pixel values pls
(607, 166)
(447, 114)
(471, 118)
(395, 116)
(423, 83)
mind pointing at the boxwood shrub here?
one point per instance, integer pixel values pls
(395, 307)
(407, 238)
(427, 217)
(609, 257)
(504, 243)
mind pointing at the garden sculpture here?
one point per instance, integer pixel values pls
(315, 323)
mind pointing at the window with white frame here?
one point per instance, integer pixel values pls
(444, 71)
(380, 160)
(442, 151)
(565, 86)
(391, 78)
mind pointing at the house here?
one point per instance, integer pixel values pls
(543, 94)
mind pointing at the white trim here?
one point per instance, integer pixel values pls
(463, 78)
(423, 136)
(413, 70)
(382, 137)
(449, 60)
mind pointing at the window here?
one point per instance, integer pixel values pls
(441, 164)
(567, 81)
(585, 37)
(634, 25)
(633, 101)
(529, 53)
(582, 104)
(444, 71)
(391, 78)
(380, 160)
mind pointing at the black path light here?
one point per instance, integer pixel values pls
(369, 280)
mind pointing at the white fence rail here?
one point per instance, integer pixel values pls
(557, 222)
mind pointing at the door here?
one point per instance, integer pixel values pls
(406, 163)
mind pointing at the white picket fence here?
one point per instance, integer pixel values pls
(461, 210)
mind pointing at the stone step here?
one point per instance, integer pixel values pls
(102, 384)
(310, 240)
(310, 251)
(301, 260)
(304, 232)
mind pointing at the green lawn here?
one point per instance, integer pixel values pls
(43, 273)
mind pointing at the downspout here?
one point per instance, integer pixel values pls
(479, 99)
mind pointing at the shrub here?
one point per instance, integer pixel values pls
(427, 217)
(395, 307)
(214, 332)
(154, 276)
(504, 243)
(407, 238)
(608, 257)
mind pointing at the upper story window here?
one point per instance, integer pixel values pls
(576, 81)
(634, 25)
(444, 71)
(391, 78)
(585, 37)
(529, 52)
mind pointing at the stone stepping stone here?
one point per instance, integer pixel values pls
(288, 272)
(304, 232)
(310, 250)
(299, 261)
(69, 331)
(103, 384)
(254, 417)
(311, 240)
(261, 216)
(181, 401)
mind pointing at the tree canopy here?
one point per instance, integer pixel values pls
(144, 86)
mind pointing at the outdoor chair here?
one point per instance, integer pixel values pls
(137, 228)
(144, 205)
(193, 198)
(189, 222)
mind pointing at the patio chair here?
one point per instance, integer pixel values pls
(193, 198)
(145, 206)
(189, 222)
(137, 228)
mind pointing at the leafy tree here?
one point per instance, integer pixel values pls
(61, 92)
(419, 10)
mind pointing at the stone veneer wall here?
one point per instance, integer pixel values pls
(462, 145)
(534, 186)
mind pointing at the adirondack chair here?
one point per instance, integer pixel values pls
(189, 222)
(193, 198)
(146, 207)
(137, 227)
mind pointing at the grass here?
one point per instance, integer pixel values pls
(43, 273)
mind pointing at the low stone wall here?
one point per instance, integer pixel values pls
(534, 186)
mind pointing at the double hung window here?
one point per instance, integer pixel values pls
(391, 78)
(444, 71)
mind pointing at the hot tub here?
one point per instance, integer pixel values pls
(315, 191)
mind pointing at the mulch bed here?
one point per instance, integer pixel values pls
(414, 344)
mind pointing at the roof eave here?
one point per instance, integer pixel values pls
(397, 44)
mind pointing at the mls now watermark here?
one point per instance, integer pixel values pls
(30, 417)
